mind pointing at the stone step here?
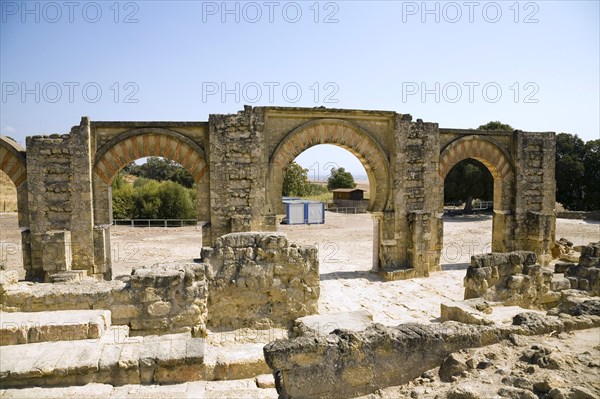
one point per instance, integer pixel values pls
(63, 325)
(234, 362)
(67, 275)
(397, 274)
(118, 359)
(247, 389)
(113, 359)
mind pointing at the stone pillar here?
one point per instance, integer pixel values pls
(415, 166)
(82, 220)
(423, 256)
(49, 200)
(31, 273)
(102, 222)
(203, 197)
(377, 216)
(57, 247)
(503, 234)
(23, 208)
(535, 192)
(238, 174)
(102, 255)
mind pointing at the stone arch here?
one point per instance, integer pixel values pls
(138, 143)
(500, 165)
(12, 161)
(144, 142)
(483, 150)
(341, 133)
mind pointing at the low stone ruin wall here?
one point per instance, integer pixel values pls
(168, 297)
(586, 274)
(348, 364)
(260, 280)
(160, 298)
(255, 280)
(511, 278)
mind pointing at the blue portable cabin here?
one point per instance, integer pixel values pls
(301, 211)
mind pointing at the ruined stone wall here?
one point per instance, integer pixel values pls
(237, 175)
(260, 280)
(586, 274)
(534, 156)
(60, 202)
(49, 172)
(167, 297)
(157, 299)
(415, 176)
(350, 364)
(512, 278)
(232, 159)
(255, 280)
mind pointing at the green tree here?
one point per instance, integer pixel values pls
(160, 169)
(123, 202)
(175, 202)
(467, 180)
(591, 179)
(147, 200)
(295, 181)
(496, 125)
(340, 179)
(570, 169)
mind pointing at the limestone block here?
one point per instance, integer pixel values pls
(326, 323)
(159, 309)
(265, 381)
(125, 311)
(471, 311)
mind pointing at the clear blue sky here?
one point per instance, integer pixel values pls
(174, 58)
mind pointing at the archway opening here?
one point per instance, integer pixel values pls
(154, 215)
(468, 213)
(334, 176)
(11, 254)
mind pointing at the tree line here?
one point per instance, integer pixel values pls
(163, 189)
(296, 183)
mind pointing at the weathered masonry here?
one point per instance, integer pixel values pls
(237, 160)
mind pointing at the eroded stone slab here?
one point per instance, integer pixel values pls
(327, 323)
(234, 362)
(171, 358)
(65, 325)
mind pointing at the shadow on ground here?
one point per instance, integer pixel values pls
(455, 266)
(467, 218)
(350, 275)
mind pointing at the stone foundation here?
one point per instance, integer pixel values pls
(348, 364)
(511, 278)
(260, 280)
(586, 274)
(255, 280)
